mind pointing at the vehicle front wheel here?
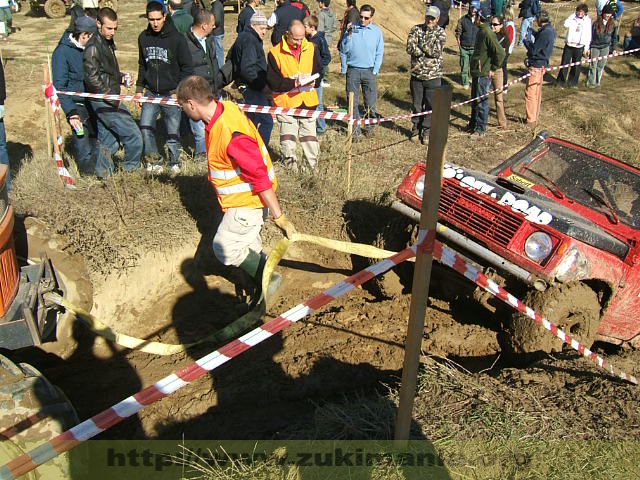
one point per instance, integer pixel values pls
(573, 307)
(55, 8)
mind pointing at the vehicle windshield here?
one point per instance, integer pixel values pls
(585, 178)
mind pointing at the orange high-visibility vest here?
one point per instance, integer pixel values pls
(289, 67)
(224, 173)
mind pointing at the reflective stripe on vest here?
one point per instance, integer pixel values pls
(290, 67)
(224, 172)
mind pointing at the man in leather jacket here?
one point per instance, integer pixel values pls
(102, 75)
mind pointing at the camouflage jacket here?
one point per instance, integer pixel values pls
(426, 47)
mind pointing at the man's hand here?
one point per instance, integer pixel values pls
(76, 122)
(285, 225)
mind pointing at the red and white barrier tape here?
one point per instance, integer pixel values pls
(136, 403)
(54, 102)
(301, 112)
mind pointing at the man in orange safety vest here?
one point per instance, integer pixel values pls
(242, 174)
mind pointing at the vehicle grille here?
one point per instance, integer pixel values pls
(484, 219)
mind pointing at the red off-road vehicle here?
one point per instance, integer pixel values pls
(556, 223)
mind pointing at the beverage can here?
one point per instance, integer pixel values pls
(79, 131)
(128, 80)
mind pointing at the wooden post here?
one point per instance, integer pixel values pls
(47, 113)
(424, 260)
(349, 142)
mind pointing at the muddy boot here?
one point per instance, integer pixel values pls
(254, 266)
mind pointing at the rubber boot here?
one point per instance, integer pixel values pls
(254, 266)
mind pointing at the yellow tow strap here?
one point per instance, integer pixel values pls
(238, 326)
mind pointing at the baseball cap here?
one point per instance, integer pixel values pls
(85, 24)
(433, 11)
(258, 18)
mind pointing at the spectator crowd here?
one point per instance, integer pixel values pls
(185, 38)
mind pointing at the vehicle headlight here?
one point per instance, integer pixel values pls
(538, 246)
(420, 186)
(574, 266)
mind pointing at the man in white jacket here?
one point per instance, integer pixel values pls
(578, 39)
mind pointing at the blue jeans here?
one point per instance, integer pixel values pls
(343, 62)
(218, 40)
(321, 123)
(172, 116)
(526, 29)
(4, 154)
(197, 128)
(115, 126)
(362, 78)
(480, 108)
(85, 145)
(263, 121)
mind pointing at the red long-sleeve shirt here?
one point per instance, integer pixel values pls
(246, 153)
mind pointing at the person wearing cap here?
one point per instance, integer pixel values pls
(180, 17)
(102, 75)
(578, 38)
(425, 45)
(466, 32)
(67, 72)
(250, 71)
(486, 63)
(247, 12)
(617, 7)
(364, 47)
(164, 60)
(443, 6)
(539, 53)
(243, 177)
(203, 56)
(289, 66)
(604, 38)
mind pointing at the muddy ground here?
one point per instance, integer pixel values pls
(145, 241)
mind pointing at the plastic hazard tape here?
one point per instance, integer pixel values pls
(168, 385)
(54, 103)
(136, 403)
(301, 112)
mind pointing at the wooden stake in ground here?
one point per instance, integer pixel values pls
(349, 142)
(424, 259)
(47, 112)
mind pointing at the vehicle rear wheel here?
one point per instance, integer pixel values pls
(574, 307)
(55, 8)
(71, 274)
(34, 411)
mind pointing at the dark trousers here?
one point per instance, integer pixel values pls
(422, 92)
(480, 108)
(362, 78)
(570, 75)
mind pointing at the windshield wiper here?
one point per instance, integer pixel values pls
(611, 214)
(548, 183)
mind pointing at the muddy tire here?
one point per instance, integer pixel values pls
(112, 4)
(55, 8)
(72, 276)
(26, 394)
(574, 307)
(395, 236)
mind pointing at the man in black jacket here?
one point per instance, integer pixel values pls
(102, 75)
(164, 60)
(281, 18)
(217, 7)
(203, 55)
(250, 71)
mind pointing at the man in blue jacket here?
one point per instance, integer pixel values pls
(538, 55)
(363, 45)
(164, 60)
(68, 75)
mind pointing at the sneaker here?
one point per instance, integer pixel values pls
(155, 168)
(424, 136)
(324, 84)
(175, 169)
